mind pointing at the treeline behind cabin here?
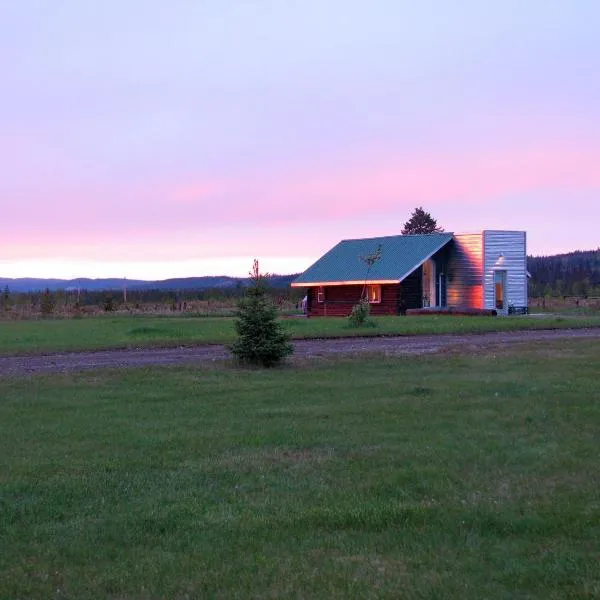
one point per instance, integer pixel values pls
(573, 274)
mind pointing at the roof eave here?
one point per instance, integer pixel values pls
(354, 282)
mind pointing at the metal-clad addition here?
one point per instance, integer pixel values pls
(505, 252)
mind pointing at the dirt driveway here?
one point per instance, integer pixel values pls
(396, 345)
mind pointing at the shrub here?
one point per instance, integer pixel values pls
(108, 303)
(261, 339)
(360, 314)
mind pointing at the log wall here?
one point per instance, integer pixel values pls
(339, 300)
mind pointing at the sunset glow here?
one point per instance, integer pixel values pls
(150, 141)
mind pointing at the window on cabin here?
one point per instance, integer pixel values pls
(321, 294)
(374, 293)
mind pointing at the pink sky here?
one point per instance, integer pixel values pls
(172, 153)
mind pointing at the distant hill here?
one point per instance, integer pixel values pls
(186, 283)
(574, 273)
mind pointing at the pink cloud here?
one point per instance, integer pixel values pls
(273, 212)
(469, 178)
(192, 193)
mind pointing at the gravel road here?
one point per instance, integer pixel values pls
(11, 366)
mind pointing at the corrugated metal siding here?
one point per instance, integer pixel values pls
(506, 250)
(465, 271)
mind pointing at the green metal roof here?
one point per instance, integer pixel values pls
(400, 256)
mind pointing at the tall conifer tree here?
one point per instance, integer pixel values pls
(420, 222)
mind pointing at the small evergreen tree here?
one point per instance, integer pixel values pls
(420, 222)
(47, 303)
(108, 303)
(261, 339)
(6, 298)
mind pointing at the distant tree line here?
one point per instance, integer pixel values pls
(46, 301)
(572, 274)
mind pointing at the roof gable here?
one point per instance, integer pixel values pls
(400, 256)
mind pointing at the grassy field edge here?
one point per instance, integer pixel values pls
(23, 338)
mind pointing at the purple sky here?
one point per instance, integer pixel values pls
(152, 139)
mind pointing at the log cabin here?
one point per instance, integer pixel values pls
(438, 272)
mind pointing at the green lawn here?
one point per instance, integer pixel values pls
(93, 333)
(446, 476)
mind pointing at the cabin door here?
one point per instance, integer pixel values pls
(500, 301)
(429, 295)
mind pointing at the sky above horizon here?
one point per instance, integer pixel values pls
(154, 139)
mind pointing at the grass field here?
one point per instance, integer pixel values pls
(57, 335)
(435, 477)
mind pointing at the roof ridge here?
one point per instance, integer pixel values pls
(399, 235)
